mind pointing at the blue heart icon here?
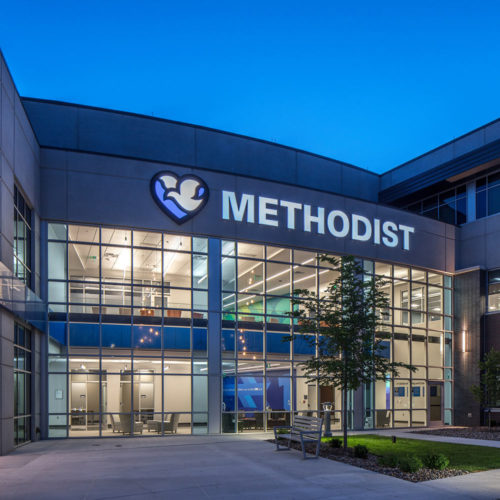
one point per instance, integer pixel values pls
(180, 197)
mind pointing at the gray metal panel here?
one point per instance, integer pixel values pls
(86, 129)
(447, 152)
(478, 243)
(57, 125)
(128, 135)
(439, 172)
(239, 155)
(116, 191)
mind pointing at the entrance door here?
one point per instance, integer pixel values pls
(435, 403)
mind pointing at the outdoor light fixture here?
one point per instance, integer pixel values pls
(464, 341)
(327, 408)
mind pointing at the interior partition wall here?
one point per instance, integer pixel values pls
(155, 333)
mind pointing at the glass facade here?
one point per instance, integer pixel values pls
(22, 238)
(22, 384)
(128, 325)
(127, 332)
(449, 206)
(488, 195)
(494, 290)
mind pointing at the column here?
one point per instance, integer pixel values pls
(214, 336)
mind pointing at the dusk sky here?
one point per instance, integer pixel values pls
(369, 83)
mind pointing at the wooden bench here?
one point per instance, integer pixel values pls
(304, 430)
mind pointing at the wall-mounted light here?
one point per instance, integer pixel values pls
(464, 341)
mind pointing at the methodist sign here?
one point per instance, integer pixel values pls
(314, 219)
(182, 197)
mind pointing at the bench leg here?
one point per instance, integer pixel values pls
(318, 446)
(303, 447)
(278, 445)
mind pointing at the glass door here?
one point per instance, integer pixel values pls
(435, 403)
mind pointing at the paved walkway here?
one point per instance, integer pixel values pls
(195, 467)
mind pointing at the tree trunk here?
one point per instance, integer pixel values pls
(344, 402)
(344, 420)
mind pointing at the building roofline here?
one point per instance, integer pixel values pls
(437, 148)
(200, 127)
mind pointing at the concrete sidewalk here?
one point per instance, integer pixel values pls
(192, 467)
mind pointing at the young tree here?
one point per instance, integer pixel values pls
(488, 392)
(345, 326)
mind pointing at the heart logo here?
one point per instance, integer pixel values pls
(180, 197)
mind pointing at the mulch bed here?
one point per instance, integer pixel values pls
(370, 463)
(492, 434)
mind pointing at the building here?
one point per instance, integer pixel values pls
(147, 267)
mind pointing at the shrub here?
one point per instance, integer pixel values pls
(410, 464)
(360, 451)
(388, 461)
(436, 461)
(336, 443)
(282, 431)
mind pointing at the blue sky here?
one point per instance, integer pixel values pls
(370, 83)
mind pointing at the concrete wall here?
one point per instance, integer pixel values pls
(19, 163)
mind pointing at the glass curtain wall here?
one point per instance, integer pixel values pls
(128, 315)
(127, 332)
(263, 379)
(22, 384)
(22, 238)
(494, 290)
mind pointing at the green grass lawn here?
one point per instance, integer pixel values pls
(462, 456)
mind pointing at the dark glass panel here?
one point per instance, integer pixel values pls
(480, 204)
(494, 180)
(447, 213)
(481, 183)
(430, 203)
(461, 211)
(494, 200)
(447, 197)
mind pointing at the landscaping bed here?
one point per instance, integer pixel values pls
(485, 433)
(462, 459)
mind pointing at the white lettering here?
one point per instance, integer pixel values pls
(290, 212)
(318, 219)
(265, 211)
(407, 230)
(241, 208)
(246, 204)
(330, 222)
(356, 235)
(376, 231)
(391, 238)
